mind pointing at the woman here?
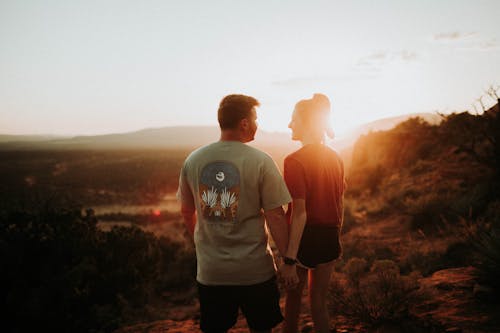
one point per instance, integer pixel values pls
(315, 178)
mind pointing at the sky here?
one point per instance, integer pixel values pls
(89, 67)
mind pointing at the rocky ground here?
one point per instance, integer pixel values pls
(185, 319)
(452, 303)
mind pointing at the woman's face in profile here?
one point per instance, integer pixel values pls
(296, 126)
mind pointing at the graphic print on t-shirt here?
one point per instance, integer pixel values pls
(219, 191)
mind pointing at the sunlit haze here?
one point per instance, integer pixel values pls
(92, 67)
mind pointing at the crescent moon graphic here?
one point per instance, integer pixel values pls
(220, 176)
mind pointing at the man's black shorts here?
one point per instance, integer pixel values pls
(259, 304)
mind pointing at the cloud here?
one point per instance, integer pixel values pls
(376, 61)
(489, 44)
(406, 55)
(373, 59)
(467, 40)
(453, 36)
(366, 68)
(301, 80)
(308, 81)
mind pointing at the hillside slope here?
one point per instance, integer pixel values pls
(418, 196)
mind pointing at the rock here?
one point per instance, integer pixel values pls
(454, 330)
(307, 328)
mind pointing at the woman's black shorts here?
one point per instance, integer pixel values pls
(319, 244)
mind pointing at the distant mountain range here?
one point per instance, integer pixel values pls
(182, 137)
(29, 138)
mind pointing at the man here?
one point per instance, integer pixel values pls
(228, 191)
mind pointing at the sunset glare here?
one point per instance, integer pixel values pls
(91, 67)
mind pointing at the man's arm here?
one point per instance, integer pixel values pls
(278, 227)
(297, 227)
(188, 208)
(189, 216)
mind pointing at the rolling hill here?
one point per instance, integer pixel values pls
(182, 137)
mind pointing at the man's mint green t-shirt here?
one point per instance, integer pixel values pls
(232, 183)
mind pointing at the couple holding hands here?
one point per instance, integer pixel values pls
(230, 192)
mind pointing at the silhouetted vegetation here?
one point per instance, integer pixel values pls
(421, 199)
(484, 239)
(61, 273)
(138, 219)
(374, 294)
(433, 173)
(94, 177)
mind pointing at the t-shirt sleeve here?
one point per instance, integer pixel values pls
(295, 178)
(184, 193)
(273, 190)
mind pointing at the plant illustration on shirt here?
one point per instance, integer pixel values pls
(228, 200)
(219, 189)
(209, 199)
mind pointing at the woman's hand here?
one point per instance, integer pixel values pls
(289, 277)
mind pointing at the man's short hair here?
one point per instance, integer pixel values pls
(234, 108)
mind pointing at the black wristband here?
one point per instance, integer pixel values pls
(289, 261)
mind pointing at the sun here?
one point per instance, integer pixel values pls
(277, 120)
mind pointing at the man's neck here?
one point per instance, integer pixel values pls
(230, 135)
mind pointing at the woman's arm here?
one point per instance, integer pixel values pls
(297, 224)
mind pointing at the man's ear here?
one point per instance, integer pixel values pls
(244, 124)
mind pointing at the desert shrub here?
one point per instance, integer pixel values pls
(179, 272)
(374, 177)
(366, 177)
(472, 202)
(421, 167)
(377, 295)
(355, 247)
(432, 253)
(477, 136)
(349, 218)
(61, 273)
(355, 269)
(384, 252)
(484, 239)
(428, 211)
(487, 250)
(492, 213)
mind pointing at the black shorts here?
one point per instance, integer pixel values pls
(259, 304)
(319, 244)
